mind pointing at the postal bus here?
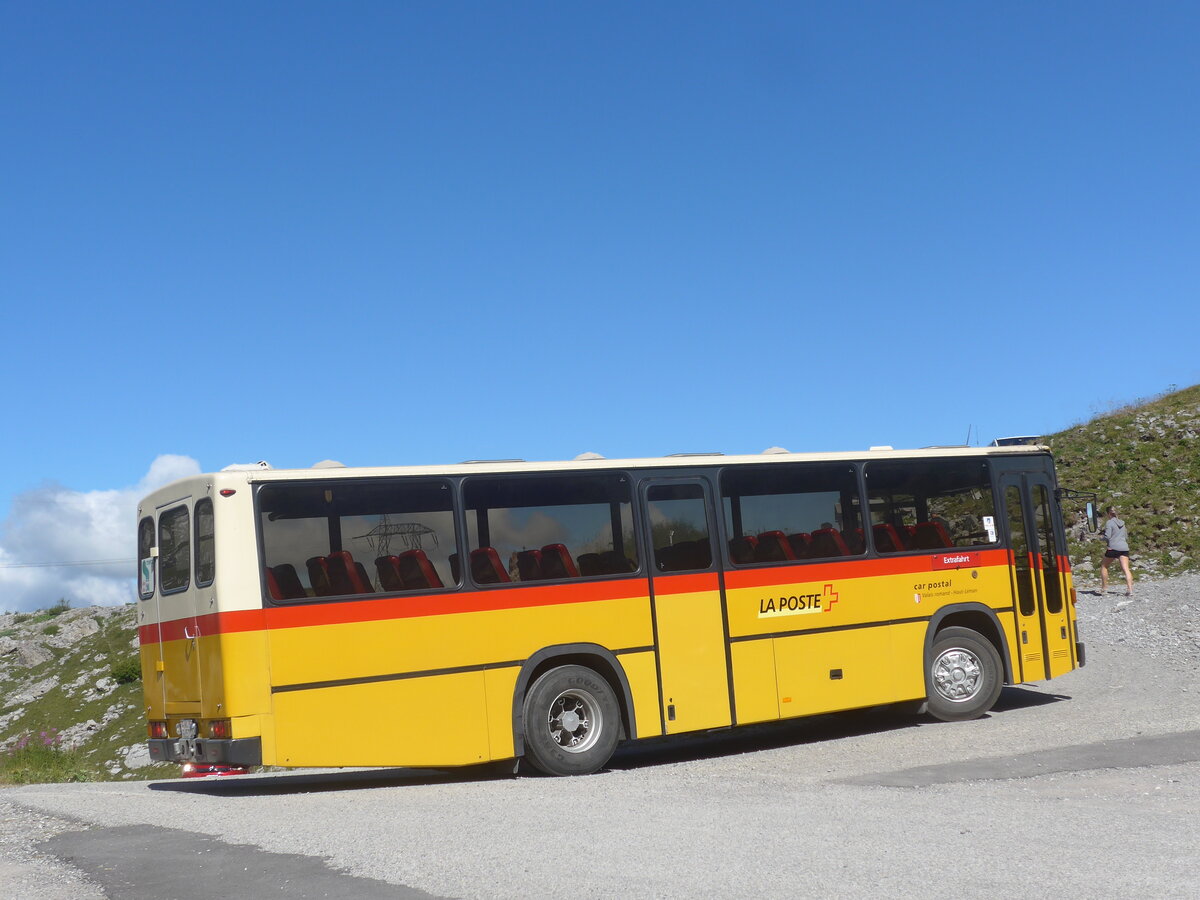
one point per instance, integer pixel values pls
(445, 616)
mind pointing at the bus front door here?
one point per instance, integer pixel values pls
(689, 612)
(1054, 568)
(1039, 580)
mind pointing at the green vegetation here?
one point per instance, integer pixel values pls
(44, 615)
(127, 670)
(1143, 459)
(39, 758)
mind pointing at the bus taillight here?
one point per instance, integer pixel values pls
(157, 729)
(220, 729)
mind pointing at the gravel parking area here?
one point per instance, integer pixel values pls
(1086, 784)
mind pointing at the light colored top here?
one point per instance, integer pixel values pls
(1116, 536)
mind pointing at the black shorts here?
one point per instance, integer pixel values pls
(1114, 554)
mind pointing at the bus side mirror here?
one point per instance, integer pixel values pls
(1091, 517)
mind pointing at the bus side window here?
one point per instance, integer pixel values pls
(333, 538)
(930, 504)
(679, 527)
(549, 527)
(786, 513)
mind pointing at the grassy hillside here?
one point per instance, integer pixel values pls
(1145, 460)
(71, 697)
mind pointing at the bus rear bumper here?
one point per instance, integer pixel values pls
(1080, 654)
(233, 752)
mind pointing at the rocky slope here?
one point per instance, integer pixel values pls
(69, 680)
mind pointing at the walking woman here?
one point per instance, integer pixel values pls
(1117, 539)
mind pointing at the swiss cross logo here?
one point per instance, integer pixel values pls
(829, 598)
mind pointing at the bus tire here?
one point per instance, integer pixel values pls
(964, 675)
(572, 721)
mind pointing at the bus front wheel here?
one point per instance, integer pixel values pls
(572, 721)
(964, 675)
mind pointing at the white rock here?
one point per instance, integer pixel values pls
(78, 735)
(32, 692)
(137, 756)
(31, 654)
(72, 631)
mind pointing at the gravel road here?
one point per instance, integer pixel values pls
(1087, 784)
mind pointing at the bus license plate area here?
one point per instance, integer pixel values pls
(186, 747)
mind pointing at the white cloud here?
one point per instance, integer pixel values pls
(54, 524)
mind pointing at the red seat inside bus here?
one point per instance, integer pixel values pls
(741, 549)
(318, 576)
(388, 568)
(828, 542)
(801, 543)
(557, 562)
(888, 539)
(346, 576)
(486, 568)
(417, 571)
(931, 536)
(773, 546)
(284, 584)
(855, 541)
(409, 571)
(529, 565)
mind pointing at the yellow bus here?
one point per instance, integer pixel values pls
(487, 611)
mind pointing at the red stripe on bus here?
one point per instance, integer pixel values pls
(686, 584)
(320, 612)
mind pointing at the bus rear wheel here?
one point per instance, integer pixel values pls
(964, 675)
(572, 721)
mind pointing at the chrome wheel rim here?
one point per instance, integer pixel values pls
(957, 675)
(575, 721)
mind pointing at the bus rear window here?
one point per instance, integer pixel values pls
(175, 549)
(145, 541)
(206, 561)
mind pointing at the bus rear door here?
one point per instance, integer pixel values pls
(179, 629)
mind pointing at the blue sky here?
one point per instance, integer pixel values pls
(392, 233)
